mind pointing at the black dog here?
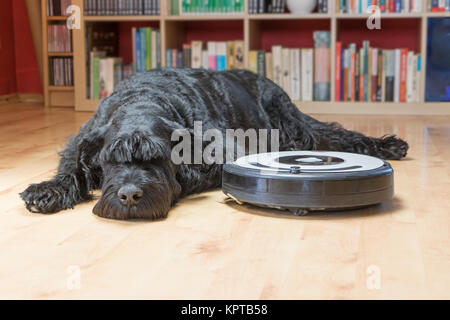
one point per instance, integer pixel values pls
(125, 148)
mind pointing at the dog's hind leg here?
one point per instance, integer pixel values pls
(76, 176)
(332, 136)
(299, 131)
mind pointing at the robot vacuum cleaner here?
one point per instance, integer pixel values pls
(304, 181)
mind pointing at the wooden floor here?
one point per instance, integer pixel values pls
(211, 248)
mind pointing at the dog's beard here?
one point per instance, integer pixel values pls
(157, 182)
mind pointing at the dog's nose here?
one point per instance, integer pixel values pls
(130, 195)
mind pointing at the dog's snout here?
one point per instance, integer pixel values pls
(130, 195)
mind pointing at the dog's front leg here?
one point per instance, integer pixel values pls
(77, 175)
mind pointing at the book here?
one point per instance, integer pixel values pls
(197, 47)
(94, 73)
(239, 54)
(337, 92)
(295, 63)
(269, 65)
(286, 70)
(276, 67)
(321, 65)
(253, 61)
(261, 62)
(221, 56)
(307, 74)
(212, 55)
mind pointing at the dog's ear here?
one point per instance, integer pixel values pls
(88, 151)
(136, 146)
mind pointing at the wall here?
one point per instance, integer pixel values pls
(7, 50)
(19, 72)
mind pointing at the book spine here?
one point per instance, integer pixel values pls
(221, 57)
(307, 74)
(410, 77)
(169, 58)
(239, 54)
(403, 74)
(212, 55)
(276, 52)
(346, 72)
(295, 74)
(379, 74)
(397, 75)
(269, 65)
(143, 50)
(148, 49)
(261, 63)
(337, 93)
(286, 70)
(322, 65)
(252, 61)
(138, 51)
(374, 74)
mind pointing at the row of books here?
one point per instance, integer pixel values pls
(304, 73)
(206, 6)
(266, 6)
(61, 73)
(59, 38)
(146, 46)
(218, 55)
(277, 6)
(438, 5)
(57, 7)
(377, 75)
(391, 6)
(106, 73)
(121, 7)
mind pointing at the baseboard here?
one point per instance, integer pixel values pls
(30, 98)
(9, 98)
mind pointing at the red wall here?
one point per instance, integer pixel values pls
(19, 72)
(7, 51)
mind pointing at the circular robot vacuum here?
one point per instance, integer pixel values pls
(304, 181)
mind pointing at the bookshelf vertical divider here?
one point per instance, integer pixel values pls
(171, 37)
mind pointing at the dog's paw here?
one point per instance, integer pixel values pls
(46, 197)
(393, 148)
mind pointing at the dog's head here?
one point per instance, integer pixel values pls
(138, 179)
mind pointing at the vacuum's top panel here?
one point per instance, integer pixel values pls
(308, 163)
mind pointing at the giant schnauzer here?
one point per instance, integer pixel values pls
(125, 147)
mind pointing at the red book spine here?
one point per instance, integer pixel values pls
(391, 5)
(403, 65)
(337, 91)
(352, 76)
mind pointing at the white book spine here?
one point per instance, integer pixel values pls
(397, 76)
(295, 74)
(196, 58)
(205, 59)
(286, 70)
(307, 74)
(276, 55)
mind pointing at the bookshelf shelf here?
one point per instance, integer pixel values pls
(60, 54)
(56, 18)
(259, 31)
(60, 88)
(383, 15)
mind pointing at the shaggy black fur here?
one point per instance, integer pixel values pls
(127, 141)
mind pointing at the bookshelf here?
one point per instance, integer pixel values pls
(255, 29)
(54, 96)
